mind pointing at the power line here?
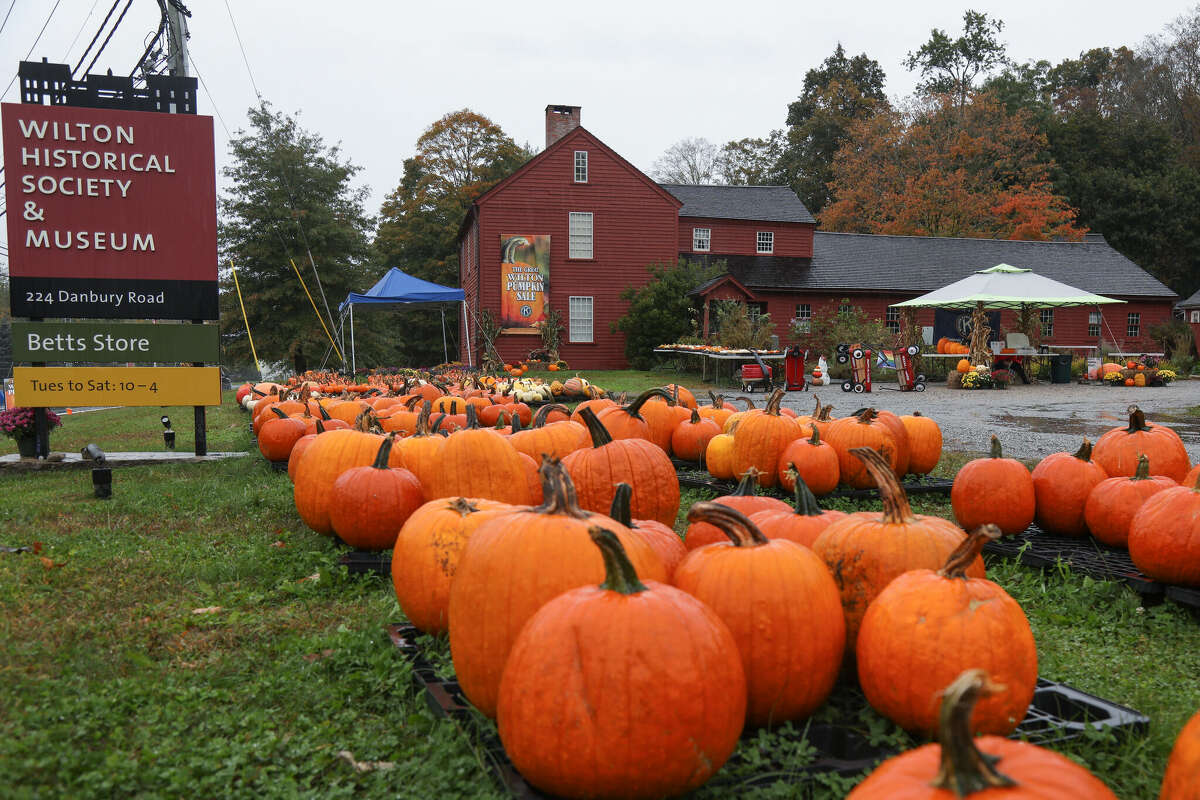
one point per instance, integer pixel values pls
(45, 24)
(245, 60)
(108, 38)
(6, 15)
(211, 99)
(99, 31)
(81, 27)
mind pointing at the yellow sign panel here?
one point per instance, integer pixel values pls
(117, 386)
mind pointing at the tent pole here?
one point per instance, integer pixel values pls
(445, 352)
(353, 356)
(467, 333)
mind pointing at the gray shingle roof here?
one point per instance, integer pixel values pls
(1191, 302)
(766, 203)
(918, 264)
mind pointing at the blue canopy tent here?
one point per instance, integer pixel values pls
(398, 287)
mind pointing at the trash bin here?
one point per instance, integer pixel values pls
(1060, 368)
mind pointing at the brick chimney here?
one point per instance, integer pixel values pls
(560, 120)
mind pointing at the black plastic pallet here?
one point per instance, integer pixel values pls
(365, 562)
(1085, 555)
(693, 477)
(1057, 714)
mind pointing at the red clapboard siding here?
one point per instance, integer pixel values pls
(740, 237)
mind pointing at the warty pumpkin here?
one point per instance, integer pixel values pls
(1061, 485)
(515, 563)
(426, 554)
(780, 604)
(1112, 503)
(1117, 451)
(745, 498)
(926, 627)
(960, 765)
(628, 689)
(597, 470)
(867, 550)
(370, 504)
(1164, 536)
(994, 490)
(761, 438)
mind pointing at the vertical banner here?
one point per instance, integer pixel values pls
(524, 279)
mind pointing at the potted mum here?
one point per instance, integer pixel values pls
(18, 424)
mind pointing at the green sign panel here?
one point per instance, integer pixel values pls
(114, 342)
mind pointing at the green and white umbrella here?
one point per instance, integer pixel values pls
(1004, 286)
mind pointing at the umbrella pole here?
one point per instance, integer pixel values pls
(980, 352)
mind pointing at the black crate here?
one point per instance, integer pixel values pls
(1058, 713)
(367, 562)
(1083, 554)
(279, 466)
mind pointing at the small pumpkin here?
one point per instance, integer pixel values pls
(370, 504)
(745, 498)
(994, 490)
(963, 365)
(924, 443)
(816, 462)
(1061, 484)
(860, 430)
(690, 438)
(718, 456)
(804, 524)
(627, 422)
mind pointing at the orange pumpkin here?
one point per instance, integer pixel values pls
(718, 456)
(627, 422)
(1181, 781)
(478, 462)
(1109, 508)
(744, 498)
(330, 454)
(1164, 536)
(861, 430)
(370, 504)
(816, 462)
(782, 606)
(690, 438)
(279, 435)
(662, 538)
(963, 365)
(1117, 451)
(801, 526)
(930, 625)
(924, 443)
(624, 641)
(1061, 485)
(994, 490)
(761, 438)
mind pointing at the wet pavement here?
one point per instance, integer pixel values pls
(1032, 421)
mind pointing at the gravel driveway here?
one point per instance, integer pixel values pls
(1032, 421)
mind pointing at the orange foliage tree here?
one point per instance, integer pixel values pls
(937, 170)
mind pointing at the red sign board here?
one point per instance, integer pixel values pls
(111, 214)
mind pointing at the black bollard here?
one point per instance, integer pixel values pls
(101, 472)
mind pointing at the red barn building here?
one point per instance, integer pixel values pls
(589, 223)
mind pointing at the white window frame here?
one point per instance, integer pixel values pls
(845, 309)
(575, 321)
(581, 166)
(701, 235)
(1195, 316)
(891, 320)
(1046, 318)
(581, 243)
(1133, 325)
(803, 317)
(765, 242)
(1095, 320)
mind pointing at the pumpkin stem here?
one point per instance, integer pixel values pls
(516, 423)
(620, 509)
(825, 413)
(558, 491)
(748, 485)
(815, 439)
(539, 419)
(733, 523)
(965, 554)
(717, 400)
(1084, 453)
(1143, 468)
(619, 574)
(774, 401)
(599, 433)
(463, 506)
(964, 769)
(1137, 420)
(806, 501)
(695, 420)
(324, 413)
(895, 502)
(279, 413)
(749, 403)
(817, 411)
(421, 428)
(385, 451)
(501, 421)
(320, 426)
(634, 408)
(997, 452)
(472, 416)
(411, 402)
(866, 416)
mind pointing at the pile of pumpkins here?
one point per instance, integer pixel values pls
(1135, 488)
(775, 440)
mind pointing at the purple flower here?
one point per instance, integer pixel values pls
(18, 422)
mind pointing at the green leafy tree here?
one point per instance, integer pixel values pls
(661, 312)
(458, 158)
(290, 195)
(835, 95)
(951, 66)
(752, 162)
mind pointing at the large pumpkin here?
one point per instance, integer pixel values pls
(761, 438)
(515, 563)
(597, 470)
(781, 605)
(1110, 506)
(860, 430)
(278, 435)
(867, 550)
(330, 454)
(1181, 781)
(1164, 536)
(995, 490)
(1061, 484)
(621, 690)
(370, 504)
(745, 498)
(960, 765)
(478, 462)
(1117, 451)
(928, 626)
(426, 556)
(627, 422)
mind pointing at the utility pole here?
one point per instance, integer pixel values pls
(177, 57)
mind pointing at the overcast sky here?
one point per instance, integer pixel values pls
(374, 75)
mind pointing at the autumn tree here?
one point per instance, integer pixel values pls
(950, 66)
(458, 158)
(935, 170)
(839, 92)
(691, 160)
(290, 196)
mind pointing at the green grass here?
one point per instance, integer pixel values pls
(111, 684)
